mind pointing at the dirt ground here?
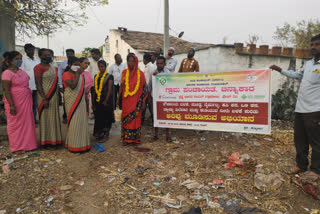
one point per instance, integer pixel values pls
(57, 181)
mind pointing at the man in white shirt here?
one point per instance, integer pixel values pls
(149, 68)
(28, 64)
(307, 114)
(116, 70)
(61, 68)
(171, 62)
(63, 65)
(94, 59)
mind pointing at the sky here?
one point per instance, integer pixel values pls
(205, 21)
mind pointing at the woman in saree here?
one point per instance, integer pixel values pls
(46, 77)
(84, 64)
(102, 102)
(133, 93)
(78, 139)
(18, 105)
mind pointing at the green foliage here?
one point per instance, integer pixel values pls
(284, 101)
(299, 35)
(35, 17)
(86, 52)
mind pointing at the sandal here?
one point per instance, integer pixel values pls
(309, 177)
(294, 170)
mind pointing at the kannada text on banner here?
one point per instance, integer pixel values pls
(236, 101)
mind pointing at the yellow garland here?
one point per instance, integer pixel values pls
(98, 91)
(127, 89)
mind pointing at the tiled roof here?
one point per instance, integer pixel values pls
(148, 42)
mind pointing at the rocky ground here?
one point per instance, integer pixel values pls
(169, 178)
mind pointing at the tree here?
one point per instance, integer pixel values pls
(42, 17)
(86, 52)
(299, 35)
(253, 39)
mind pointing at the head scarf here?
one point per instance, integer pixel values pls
(193, 49)
(172, 48)
(136, 62)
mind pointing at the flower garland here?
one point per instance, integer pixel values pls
(127, 89)
(99, 90)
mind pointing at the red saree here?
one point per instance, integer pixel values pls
(131, 106)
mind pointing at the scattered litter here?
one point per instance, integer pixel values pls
(56, 192)
(267, 139)
(58, 161)
(106, 204)
(233, 206)
(191, 184)
(140, 170)
(157, 184)
(50, 199)
(99, 147)
(218, 182)
(8, 161)
(234, 160)
(99, 182)
(173, 205)
(155, 161)
(125, 180)
(202, 138)
(80, 183)
(18, 210)
(3, 211)
(269, 182)
(187, 162)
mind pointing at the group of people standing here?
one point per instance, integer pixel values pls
(35, 88)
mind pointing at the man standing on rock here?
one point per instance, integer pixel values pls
(307, 114)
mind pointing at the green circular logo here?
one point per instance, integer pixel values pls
(163, 80)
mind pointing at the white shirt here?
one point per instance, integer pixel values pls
(171, 64)
(164, 71)
(308, 96)
(28, 65)
(148, 71)
(93, 67)
(116, 71)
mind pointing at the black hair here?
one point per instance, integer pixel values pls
(51, 51)
(67, 68)
(41, 50)
(316, 37)
(82, 59)
(131, 55)
(28, 46)
(161, 57)
(6, 54)
(102, 62)
(95, 51)
(70, 50)
(73, 59)
(116, 55)
(147, 57)
(12, 54)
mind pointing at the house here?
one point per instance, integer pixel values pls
(211, 57)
